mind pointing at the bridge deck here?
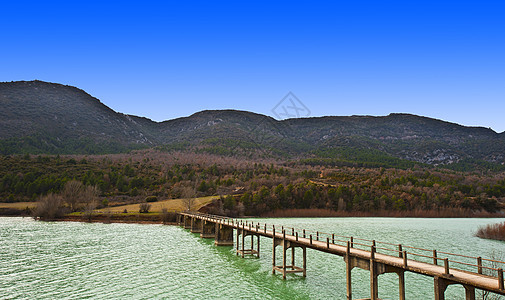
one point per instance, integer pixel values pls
(476, 280)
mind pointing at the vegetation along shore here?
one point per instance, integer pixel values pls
(240, 187)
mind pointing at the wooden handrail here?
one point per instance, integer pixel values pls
(351, 242)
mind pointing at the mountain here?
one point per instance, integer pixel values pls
(46, 117)
(355, 138)
(41, 117)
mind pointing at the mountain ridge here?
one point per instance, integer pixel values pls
(42, 117)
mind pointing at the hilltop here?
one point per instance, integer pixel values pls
(47, 118)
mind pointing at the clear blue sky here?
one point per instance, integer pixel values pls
(169, 59)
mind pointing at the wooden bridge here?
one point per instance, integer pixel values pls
(374, 256)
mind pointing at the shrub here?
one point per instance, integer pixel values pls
(229, 202)
(152, 199)
(492, 231)
(49, 207)
(144, 208)
(168, 217)
(11, 198)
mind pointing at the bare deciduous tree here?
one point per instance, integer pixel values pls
(90, 197)
(72, 192)
(188, 197)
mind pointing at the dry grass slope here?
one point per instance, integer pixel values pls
(170, 205)
(18, 205)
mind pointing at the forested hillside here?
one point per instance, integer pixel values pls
(46, 118)
(252, 187)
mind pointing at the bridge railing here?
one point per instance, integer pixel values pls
(471, 264)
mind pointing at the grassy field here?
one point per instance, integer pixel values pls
(156, 207)
(18, 205)
(170, 205)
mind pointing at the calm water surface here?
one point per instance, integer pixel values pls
(68, 260)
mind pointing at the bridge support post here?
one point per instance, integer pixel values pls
(375, 269)
(196, 225)
(187, 222)
(273, 254)
(348, 271)
(208, 230)
(284, 248)
(224, 235)
(401, 284)
(285, 268)
(240, 247)
(374, 284)
(348, 277)
(441, 285)
(469, 292)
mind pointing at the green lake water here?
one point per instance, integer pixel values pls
(66, 260)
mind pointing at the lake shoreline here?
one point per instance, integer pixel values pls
(157, 218)
(125, 219)
(327, 213)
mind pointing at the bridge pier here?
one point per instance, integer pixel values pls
(284, 268)
(441, 285)
(187, 222)
(208, 230)
(224, 235)
(196, 225)
(375, 269)
(241, 232)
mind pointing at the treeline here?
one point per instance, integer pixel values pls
(47, 145)
(359, 198)
(251, 187)
(73, 197)
(26, 178)
(357, 157)
(369, 190)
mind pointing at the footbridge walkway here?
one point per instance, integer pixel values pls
(374, 256)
